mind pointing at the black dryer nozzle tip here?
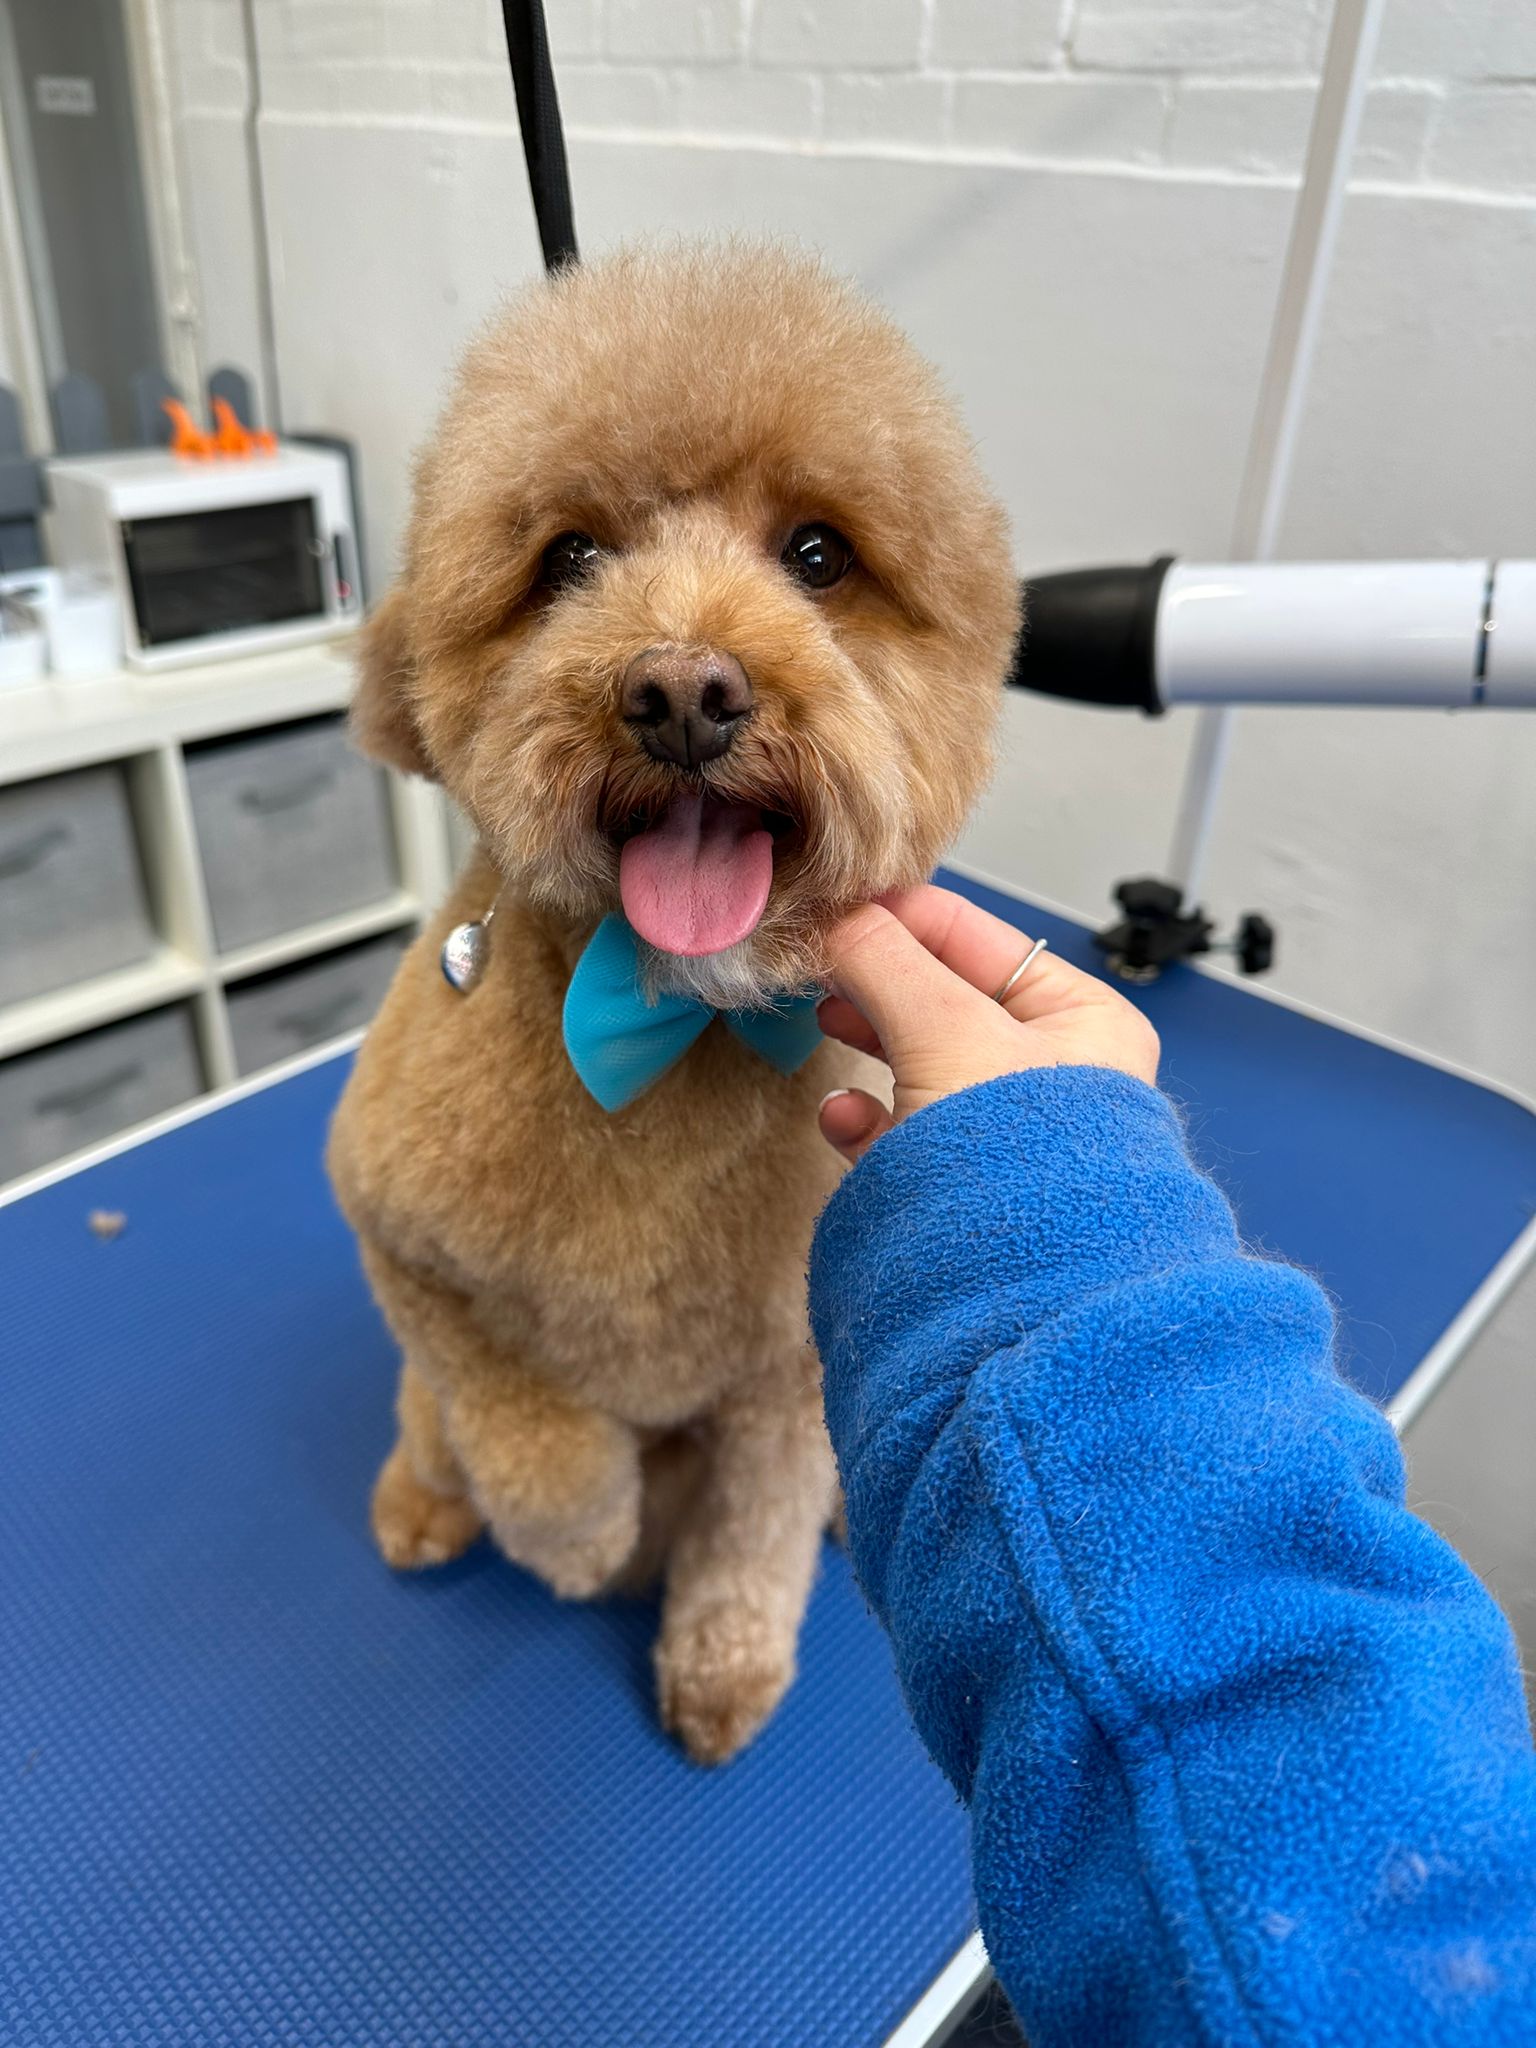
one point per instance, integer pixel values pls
(1091, 635)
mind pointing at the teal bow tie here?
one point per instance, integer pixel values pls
(619, 1043)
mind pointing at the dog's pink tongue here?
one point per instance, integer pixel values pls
(698, 880)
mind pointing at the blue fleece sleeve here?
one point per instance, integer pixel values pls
(1244, 1743)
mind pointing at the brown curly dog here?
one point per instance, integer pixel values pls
(704, 615)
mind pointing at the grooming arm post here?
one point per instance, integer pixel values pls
(1287, 372)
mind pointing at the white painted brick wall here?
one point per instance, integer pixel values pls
(598, 96)
(749, 104)
(1471, 39)
(317, 31)
(1196, 86)
(458, 92)
(1197, 35)
(886, 108)
(1216, 124)
(693, 31)
(1263, 126)
(996, 35)
(1394, 135)
(430, 32)
(1102, 120)
(1487, 136)
(575, 28)
(869, 35)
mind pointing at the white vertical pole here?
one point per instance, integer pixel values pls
(261, 224)
(1283, 389)
(25, 304)
(164, 181)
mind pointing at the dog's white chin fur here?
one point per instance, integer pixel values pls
(732, 980)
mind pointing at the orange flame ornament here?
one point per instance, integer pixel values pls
(229, 438)
(187, 438)
(234, 439)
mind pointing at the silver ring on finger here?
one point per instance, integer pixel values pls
(1020, 971)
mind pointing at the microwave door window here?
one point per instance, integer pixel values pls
(196, 573)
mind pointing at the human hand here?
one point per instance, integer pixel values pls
(913, 981)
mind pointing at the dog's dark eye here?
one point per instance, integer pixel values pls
(817, 556)
(569, 558)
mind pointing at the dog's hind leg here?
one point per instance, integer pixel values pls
(742, 1563)
(558, 1482)
(672, 1471)
(421, 1511)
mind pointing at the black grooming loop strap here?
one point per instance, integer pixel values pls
(538, 115)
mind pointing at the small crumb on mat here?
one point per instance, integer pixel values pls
(107, 1223)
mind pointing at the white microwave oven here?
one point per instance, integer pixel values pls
(212, 557)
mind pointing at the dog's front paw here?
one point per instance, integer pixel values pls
(413, 1526)
(719, 1676)
(564, 1501)
(581, 1561)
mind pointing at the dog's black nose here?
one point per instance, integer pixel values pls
(686, 703)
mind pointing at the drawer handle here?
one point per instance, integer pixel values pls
(314, 1023)
(70, 1101)
(31, 853)
(285, 795)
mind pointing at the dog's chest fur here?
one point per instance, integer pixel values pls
(647, 1260)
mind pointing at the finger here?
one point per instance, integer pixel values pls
(840, 1020)
(984, 950)
(912, 1001)
(851, 1121)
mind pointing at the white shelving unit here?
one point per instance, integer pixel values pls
(142, 724)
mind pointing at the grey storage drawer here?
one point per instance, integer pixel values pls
(85, 1089)
(292, 826)
(72, 899)
(272, 1018)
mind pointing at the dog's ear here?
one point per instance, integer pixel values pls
(383, 713)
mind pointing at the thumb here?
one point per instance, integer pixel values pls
(914, 1002)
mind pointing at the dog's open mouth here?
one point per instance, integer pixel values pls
(695, 879)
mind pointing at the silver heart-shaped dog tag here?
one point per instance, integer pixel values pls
(464, 955)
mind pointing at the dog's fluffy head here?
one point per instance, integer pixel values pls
(689, 411)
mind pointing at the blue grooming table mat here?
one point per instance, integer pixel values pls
(1399, 1184)
(258, 1790)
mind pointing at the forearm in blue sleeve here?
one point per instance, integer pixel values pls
(1243, 1741)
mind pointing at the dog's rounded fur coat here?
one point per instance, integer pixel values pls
(602, 1317)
